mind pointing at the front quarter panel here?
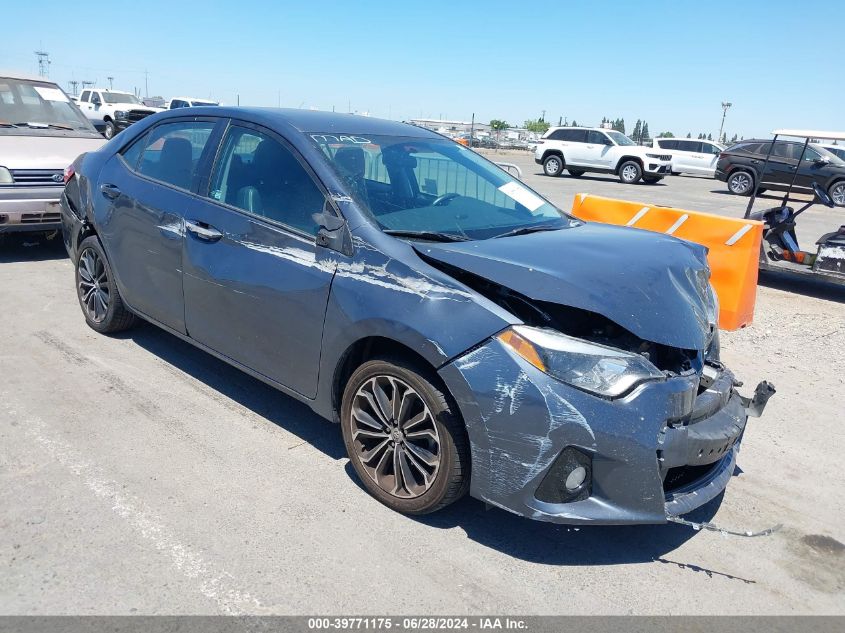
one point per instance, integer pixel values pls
(389, 292)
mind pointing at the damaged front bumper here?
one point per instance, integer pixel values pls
(663, 450)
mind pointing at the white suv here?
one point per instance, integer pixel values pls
(579, 150)
(691, 156)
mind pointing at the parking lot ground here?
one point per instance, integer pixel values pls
(139, 475)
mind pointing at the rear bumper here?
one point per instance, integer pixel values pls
(30, 209)
(663, 450)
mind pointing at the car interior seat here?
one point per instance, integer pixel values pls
(175, 163)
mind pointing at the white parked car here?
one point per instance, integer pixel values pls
(41, 133)
(691, 156)
(579, 150)
(188, 102)
(112, 110)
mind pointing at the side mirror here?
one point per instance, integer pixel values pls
(332, 231)
(822, 160)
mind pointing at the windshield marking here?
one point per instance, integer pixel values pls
(523, 196)
(331, 138)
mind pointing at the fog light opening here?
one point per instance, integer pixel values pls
(576, 478)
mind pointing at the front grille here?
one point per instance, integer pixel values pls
(38, 177)
(664, 156)
(40, 218)
(133, 116)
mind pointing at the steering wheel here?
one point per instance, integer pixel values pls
(821, 195)
(441, 200)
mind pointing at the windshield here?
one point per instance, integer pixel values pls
(434, 186)
(619, 138)
(37, 105)
(121, 97)
(835, 154)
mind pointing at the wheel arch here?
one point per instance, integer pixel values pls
(369, 348)
(625, 159)
(553, 152)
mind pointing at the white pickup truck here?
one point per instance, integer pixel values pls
(112, 110)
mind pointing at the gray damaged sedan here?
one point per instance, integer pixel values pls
(467, 335)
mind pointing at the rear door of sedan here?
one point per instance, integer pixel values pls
(143, 193)
(256, 284)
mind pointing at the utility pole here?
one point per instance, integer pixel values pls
(471, 129)
(146, 84)
(111, 82)
(73, 85)
(543, 118)
(43, 63)
(86, 84)
(725, 106)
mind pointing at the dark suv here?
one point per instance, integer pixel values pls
(740, 166)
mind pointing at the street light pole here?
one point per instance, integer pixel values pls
(725, 106)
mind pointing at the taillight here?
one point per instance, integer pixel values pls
(68, 173)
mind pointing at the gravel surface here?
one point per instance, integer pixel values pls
(139, 475)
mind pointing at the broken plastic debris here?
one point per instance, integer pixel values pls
(724, 532)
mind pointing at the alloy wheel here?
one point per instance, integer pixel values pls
(395, 437)
(838, 194)
(552, 166)
(94, 285)
(629, 173)
(740, 183)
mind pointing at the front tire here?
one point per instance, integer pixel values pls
(97, 291)
(405, 439)
(837, 193)
(741, 183)
(553, 165)
(575, 173)
(630, 172)
(110, 130)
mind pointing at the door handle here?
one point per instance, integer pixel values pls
(109, 191)
(203, 231)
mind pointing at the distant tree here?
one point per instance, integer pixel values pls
(621, 126)
(498, 125)
(603, 121)
(536, 125)
(638, 128)
(574, 123)
(645, 133)
(700, 136)
(733, 140)
(689, 134)
(665, 135)
(709, 137)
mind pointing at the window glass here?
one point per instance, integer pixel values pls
(132, 153)
(668, 144)
(811, 154)
(258, 174)
(597, 138)
(85, 95)
(575, 136)
(120, 97)
(619, 138)
(39, 107)
(689, 146)
(434, 185)
(785, 150)
(709, 148)
(558, 135)
(173, 150)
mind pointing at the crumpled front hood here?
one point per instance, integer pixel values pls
(653, 285)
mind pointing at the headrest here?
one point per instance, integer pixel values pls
(351, 161)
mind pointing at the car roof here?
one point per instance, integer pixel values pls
(192, 99)
(838, 136)
(14, 74)
(315, 121)
(579, 127)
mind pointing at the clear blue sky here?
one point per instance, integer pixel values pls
(670, 63)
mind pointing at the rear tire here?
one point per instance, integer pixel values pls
(630, 172)
(575, 173)
(97, 291)
(394, 414)
(741, 183)
(553, 165)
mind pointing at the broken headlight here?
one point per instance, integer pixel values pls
(602, 370)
